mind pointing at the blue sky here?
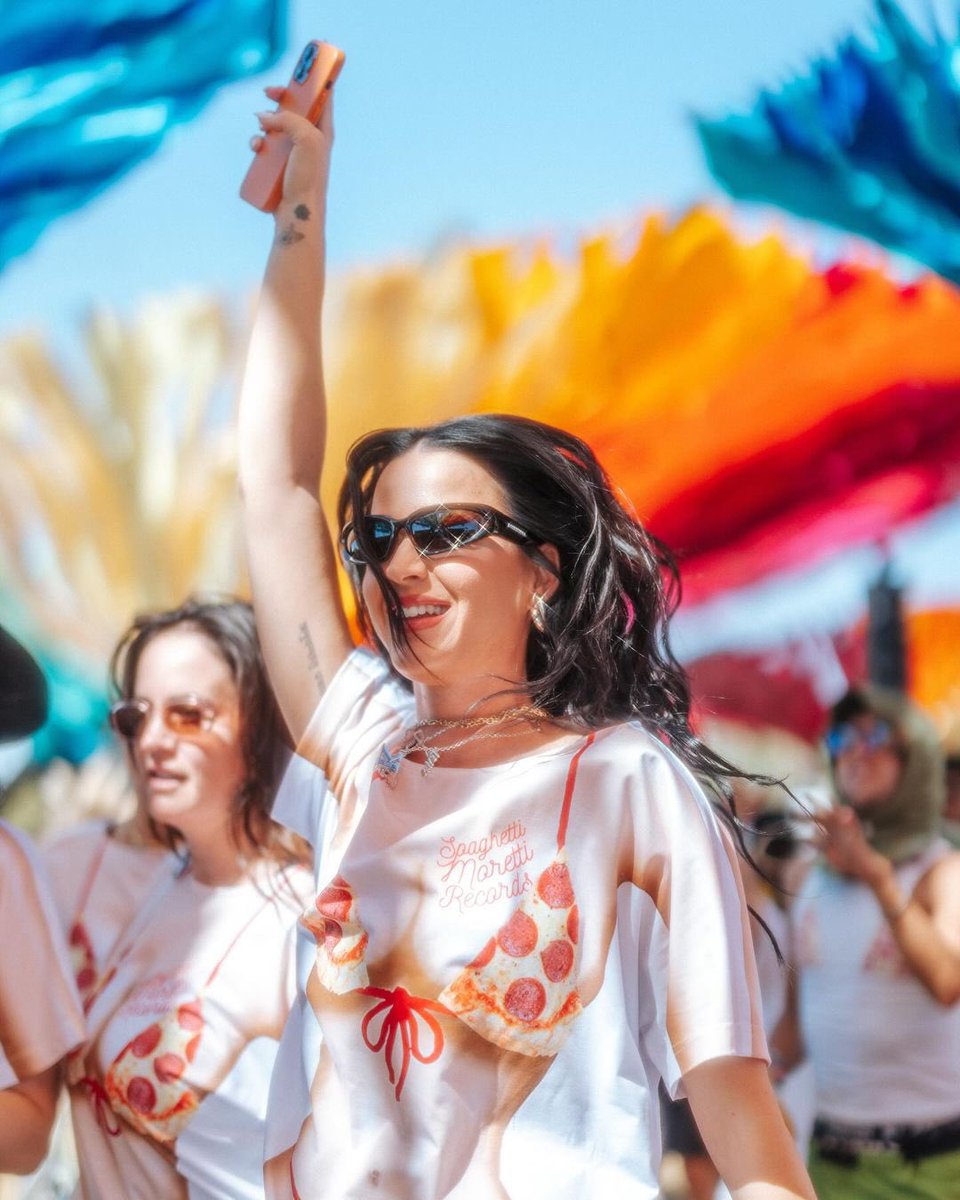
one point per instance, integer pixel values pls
(502, 119)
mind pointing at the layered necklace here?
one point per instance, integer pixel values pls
(421, 738)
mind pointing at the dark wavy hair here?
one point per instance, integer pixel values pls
(228, 625)
(604, 655)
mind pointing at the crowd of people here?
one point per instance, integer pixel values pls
(439, 914)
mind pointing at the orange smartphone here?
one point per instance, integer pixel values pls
(306, 93)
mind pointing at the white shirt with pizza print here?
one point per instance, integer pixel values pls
(493, 961)
(169, 1094)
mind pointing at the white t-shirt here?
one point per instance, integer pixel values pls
(40, 1014)
(168, 1095)
(883, 1050)
(496, 958)
(98, 884)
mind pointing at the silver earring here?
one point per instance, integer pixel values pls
(538, 612)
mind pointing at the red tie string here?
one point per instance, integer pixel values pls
(101, 1103)
(401, 1011)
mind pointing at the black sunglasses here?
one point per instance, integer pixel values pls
(433, 531)
(187, 716)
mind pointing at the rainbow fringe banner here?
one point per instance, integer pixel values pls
(89, 88)
(868, 141)
(782, 427)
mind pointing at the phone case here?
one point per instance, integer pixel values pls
(306, 93)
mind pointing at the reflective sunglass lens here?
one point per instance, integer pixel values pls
(381, 533)
(127, 719)
(880, 735)
(441, 532)
(184, 717)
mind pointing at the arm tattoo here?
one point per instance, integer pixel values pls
(313, 662)
(288, 236)
(291, 235)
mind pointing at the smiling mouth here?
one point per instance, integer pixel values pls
(412, 611)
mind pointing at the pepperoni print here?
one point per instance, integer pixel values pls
(82, 958)
(334, 901)
(518, 937)
(332, 933)
(145, 1043)
(189, 1016)
(554, 887)
(557, 960)
(525, 999)
(141, 1095)
(573, 924)
(485, 955)
(169, 1067)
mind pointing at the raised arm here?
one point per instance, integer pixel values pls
(924, 924)
(282, 434)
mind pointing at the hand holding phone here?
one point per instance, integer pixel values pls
(306, 94)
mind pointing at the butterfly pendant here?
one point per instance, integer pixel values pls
(388, 765)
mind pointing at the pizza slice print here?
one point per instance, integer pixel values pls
(341, 939)
(144, 1084)
(520, 992)
(83, 960)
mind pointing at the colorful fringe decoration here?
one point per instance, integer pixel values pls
(784, 428)
(868, 141)
(90, 88)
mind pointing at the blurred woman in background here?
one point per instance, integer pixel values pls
(169, 1089)
(875, 1001)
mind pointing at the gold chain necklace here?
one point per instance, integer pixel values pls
(420, 738)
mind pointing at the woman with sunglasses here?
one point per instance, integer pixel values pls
(525, 912)
(877, 962)
(184, 1015)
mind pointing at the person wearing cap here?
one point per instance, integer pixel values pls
(876, 939)
(40, 1015)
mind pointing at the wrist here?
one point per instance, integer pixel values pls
(303, 211)
(891, 898)
(879, 875)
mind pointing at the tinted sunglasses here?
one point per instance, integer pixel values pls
(842, 738)
(433, 531)
(187, 716)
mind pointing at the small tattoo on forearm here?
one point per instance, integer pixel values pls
(302, 213)
(288, 236)
(313, 663)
